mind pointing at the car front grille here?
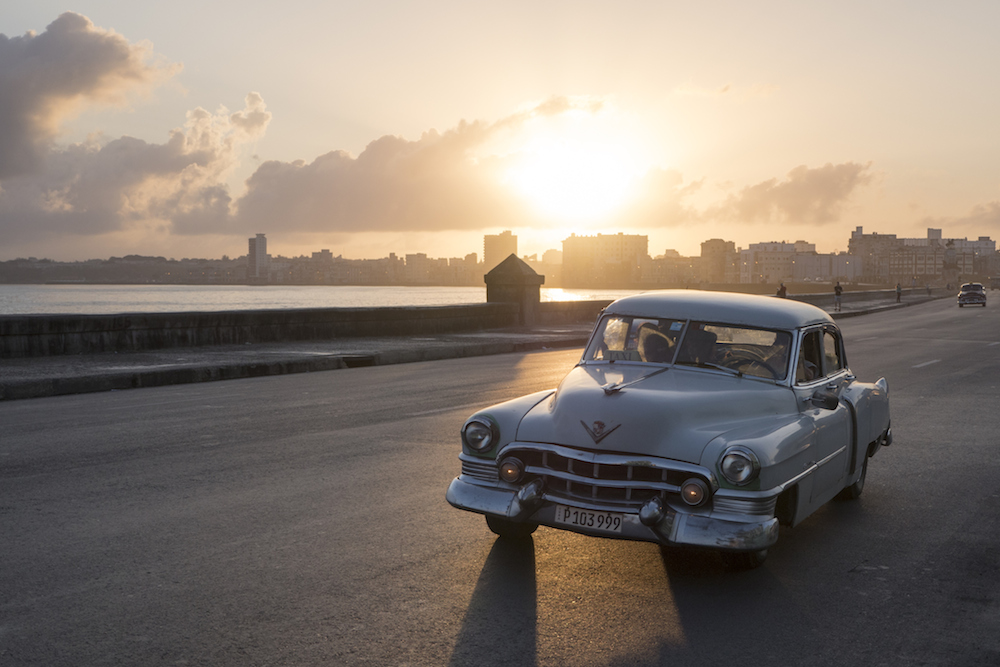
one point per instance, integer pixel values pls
(605, 479)
(481, 469)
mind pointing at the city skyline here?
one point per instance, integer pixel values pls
(260, 240)
(134, 130)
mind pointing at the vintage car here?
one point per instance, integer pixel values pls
(972, 294)
(693, 419)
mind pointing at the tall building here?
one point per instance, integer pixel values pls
(605, 260)
(257, 265)
(497, 248)
(719, 262)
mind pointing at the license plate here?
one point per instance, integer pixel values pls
(610, 522)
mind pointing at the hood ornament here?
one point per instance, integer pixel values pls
(598, 431)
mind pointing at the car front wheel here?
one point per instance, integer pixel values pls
(510, 530)
(853, 492)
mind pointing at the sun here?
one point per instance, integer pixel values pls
(575, 170)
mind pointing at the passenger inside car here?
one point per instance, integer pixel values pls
(654, 346)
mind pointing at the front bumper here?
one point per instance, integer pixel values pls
(730, 532)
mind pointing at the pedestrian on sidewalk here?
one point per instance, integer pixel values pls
(899, 292)
(838, 292)
(782, 290)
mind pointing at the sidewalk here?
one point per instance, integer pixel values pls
(76, 374)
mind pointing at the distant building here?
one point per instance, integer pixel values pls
(771, 262)
(719, 262)
(774, 262)
(605, 260)
(257, 261)
(497, 248)
(671, 269)
(885, 258)
(872, 250)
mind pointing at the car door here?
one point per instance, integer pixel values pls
(821, 370)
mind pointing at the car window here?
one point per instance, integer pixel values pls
(757, 352)
(809, 366)
(642, 339)
(832, 361)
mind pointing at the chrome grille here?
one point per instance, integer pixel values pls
(607, 479)
(484, 469)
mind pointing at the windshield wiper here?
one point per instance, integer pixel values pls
(618, 386)
(705, 364)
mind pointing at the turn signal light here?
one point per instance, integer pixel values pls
(694, 492)
(511, 470)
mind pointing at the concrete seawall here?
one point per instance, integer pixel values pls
(45, 335)
(25, 336)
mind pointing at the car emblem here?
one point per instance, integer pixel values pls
(598, 432)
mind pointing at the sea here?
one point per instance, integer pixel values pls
(80, 299)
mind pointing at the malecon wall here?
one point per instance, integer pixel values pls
(42, 335)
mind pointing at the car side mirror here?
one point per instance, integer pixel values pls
(827, 400)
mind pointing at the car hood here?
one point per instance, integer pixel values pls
(674, 413)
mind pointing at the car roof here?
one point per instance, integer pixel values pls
(766, 312)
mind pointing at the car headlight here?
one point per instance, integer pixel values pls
(480, 433)
(739, 465)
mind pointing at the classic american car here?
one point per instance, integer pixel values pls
(972, 294)
(694, 419)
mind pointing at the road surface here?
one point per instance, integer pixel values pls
(301, 520)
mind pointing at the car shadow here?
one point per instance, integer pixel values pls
(500, 624)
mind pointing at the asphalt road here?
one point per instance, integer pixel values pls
(300, 520)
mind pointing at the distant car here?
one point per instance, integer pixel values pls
(972, 294)
(693, 419)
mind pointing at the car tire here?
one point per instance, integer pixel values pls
(853, 492)
(960, 305)
(741, 561)
(510, 530)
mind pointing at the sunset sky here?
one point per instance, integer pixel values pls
(181, 129)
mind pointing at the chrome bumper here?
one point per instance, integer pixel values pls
(673, 529)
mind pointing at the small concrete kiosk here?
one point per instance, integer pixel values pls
(513, 281)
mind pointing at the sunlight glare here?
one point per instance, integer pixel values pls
(576, 170)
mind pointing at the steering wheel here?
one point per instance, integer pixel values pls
(746, 365)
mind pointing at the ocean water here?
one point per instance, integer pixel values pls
(110, 299)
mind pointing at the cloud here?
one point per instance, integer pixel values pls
(438, 182)
(660, 201)
(96, 188)
(48, 77)
(980, 219)
(393, 185)
(806, 196)
(983, 216)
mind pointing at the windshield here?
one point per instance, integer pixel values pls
(743, 350)
(635, 339)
